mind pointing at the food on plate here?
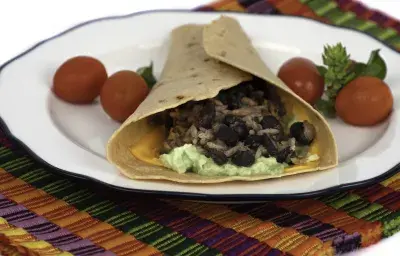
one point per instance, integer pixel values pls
(339, 72)
(79, 80)
(302, 76)
(365, 101)
(219, 114)
(122, 93)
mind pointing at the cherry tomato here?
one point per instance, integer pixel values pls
(365, 101)
(79, 80)
(122, 93)
(303, 78)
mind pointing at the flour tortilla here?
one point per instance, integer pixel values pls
(202, 61)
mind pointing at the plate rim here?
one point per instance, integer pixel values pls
(188, 195)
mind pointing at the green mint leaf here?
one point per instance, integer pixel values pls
(350, 77)
(376, 66)
(322, 70)
(326, 108)
(147, 74)
(355, 70)
(358, 68)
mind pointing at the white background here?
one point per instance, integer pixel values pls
(25, 22)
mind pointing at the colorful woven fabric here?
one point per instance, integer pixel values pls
(44, 213)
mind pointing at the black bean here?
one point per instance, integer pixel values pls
(241, 129)
(284, 155)
(240, 95)
(303, 132)
(217, 156)
(249, 89)
(270, 122)
(240, 121)
(233, 102)
(169, 123)
(270, 145)
(271, 93)
(242, 87)
(244, 158)
(207, 115)
(227, 135)
(234, 96)
(258, 96)
(253, 141)
(281, 111)
(230, 120)
(223, 97)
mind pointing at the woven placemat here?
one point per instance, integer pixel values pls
(43, 213)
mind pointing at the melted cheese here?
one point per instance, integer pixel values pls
(148, 148)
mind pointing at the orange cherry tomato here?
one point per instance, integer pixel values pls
(79, 80)
(365, 101)
(122, 93)
(302, 77)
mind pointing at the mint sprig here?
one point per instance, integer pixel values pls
(147, 74)
(338, 63)
(376, 66)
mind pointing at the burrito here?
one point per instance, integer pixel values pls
(219, 114)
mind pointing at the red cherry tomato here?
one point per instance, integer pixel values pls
(79, 80)
(302, 77)
(122, 93)
(365, 101)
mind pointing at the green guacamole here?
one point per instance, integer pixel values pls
(187, 157)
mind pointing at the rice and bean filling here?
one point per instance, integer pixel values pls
(239, 125)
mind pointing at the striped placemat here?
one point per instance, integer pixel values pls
(44, 213)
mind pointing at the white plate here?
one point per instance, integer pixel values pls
(73, 138)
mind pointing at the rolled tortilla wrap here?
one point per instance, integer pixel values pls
(202, 61)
